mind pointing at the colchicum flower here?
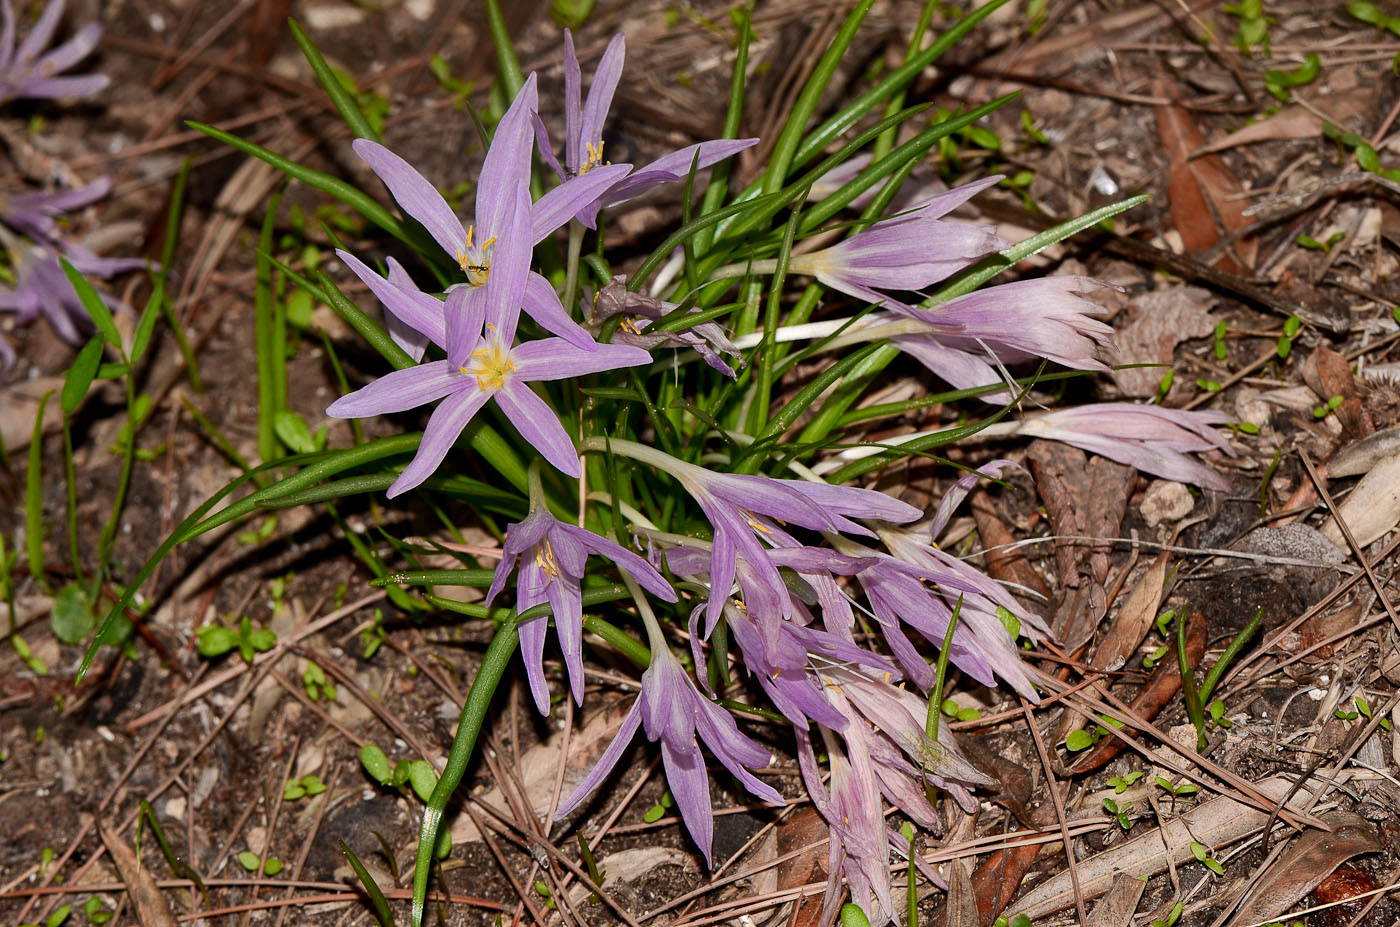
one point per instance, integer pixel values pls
(583, 139)
(707, 339)
(1149, 437)
(35, 214)
(671, 710)
(493, 368)
(27, 73)
(551, 556)
(477, 248)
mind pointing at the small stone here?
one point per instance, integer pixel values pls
(1166, 501)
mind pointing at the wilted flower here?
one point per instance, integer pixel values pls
(551, 555)
(707, 338)
(27, 73)
(498, 369)
(477, 248)
(1039, 318)
(583, 140)
(1153, 439)
(672, 711)
(908, 252)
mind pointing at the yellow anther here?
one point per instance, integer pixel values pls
(630, 328)
(491, 367)
(753, 523)
(544, 558)
(595, 156)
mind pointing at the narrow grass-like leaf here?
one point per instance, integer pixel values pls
(96, 308)
(378, 903)
(344, 101)
(684, 233)
(718, 187)
(81, 374)
(509, 63)
(265, 336)
(34, 498)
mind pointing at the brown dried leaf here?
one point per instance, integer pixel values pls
(1207, 200)
(961, 907)
(1134, 618)
(806, 830)
(1119, 904)
(1304, 865)
(1157, 323)
(22, 404)
(1373, 507)
(151, 909)
(1291, 122)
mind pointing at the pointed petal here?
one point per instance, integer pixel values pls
(690, 786)
(415, 309)
(600, 93)
(557, 359)
(532, 636)
(641, 571)
(415, 195)
(39, 37)
(573, 104)
(72, 51)
(546, 148)
(538, 424)
(465, 316)
(506, 169)
(400, 390)
(606, 762)
(567, 200)
(542, 304)
(712, 152)
(510, 268)
(49, 88)
(444, 427)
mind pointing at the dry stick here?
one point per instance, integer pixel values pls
(1059, 803)
(199, 691)
(299, 693)
(325, 799)
(344, 678)
(101, 807)
(535, 914)
(1356, 548)
(275, 800)
(203, 43)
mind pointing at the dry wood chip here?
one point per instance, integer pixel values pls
(1133, 619)
(1119, 904)
(151, 909)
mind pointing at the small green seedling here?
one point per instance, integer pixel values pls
(313, 678)
(1155, 657)
(1253, 30)
(1204, 857)
(1281, 83)
(1176, 791)
(215, 640)
(1222, 328)
(1165, 386)
(1121, 814)
(658, 811)
(1209, 386)
(1330, 406)
(1216, 710)
(1120, 783)
(1291, 328)
(95, 911)
(305, 787)
(1312, 244)
(951, 709)
(249, 861)
(1172, 917)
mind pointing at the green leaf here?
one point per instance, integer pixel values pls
(72, 619)
(215, 640)
(374, 761)
(59, 916)
(343, 98)
(853, 916)
(249, 860)
(293, 790)
(423, 779)
(96, 308)
(81, 374)
(1080, 739)
(272, 866)
(293, 431)
(377, 902)
(654, 814)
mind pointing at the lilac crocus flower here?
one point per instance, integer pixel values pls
(478, 247)
(1044, 317)
(583, 139)
(551, 556)
(671, 710)
(35, 214)
(27, 73)
(498, 369)
(42, 289)
(1153, 439)
(908, 252)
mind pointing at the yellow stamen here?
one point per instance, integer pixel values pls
(475, 260)
(490, 366)
(595, 157)
(753, 523)
(544, 558)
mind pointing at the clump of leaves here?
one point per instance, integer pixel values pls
(215, 640)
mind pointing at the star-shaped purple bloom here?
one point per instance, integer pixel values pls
(27, 73)
(479, 247)
(583, 138)
(551, 556)
(672, 711)
(494, 367)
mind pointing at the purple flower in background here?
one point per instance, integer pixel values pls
(27, 73)
(1149, 437)
(35, 214)
(583, 141)
(42, 289)
(907, 252)
(478, 247)
(551, 556)
(672, 711)
(1039, 318)
(707, 339)
(495, 368)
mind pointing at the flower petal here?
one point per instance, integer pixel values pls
(600, 93)
(507, 165)
(417, 310)
(557, 359)
(690, 786)
(444, 427)
(570, 198)
(542, 304)
(538, 424)
(606, 762)
(415, 195)
(400, 390)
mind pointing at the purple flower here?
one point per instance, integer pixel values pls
(42, 288)
(1043, 317)
(26, 73)
(583, 140)
(707, 339)
(1149, 437)
(671, 710)
(478, 247)
(35, 214)
(551, 557)
(907, 252)
(498, 368)
(414, 318)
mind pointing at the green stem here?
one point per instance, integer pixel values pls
(935, 702)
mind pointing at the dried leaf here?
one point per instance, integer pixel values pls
(1216, 823)
(1119, 904)
(1133, 620)
(961, 907)
(1207, 200)
(628, 866)
(20, 406)
(1373, 507)
(1157, 322)
(151, 909)
(1366, 453)
(1304, 865)
(1290, 122)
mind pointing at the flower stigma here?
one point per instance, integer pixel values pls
(475, 260)
(490, 366)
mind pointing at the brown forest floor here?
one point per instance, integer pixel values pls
(1123, 98)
